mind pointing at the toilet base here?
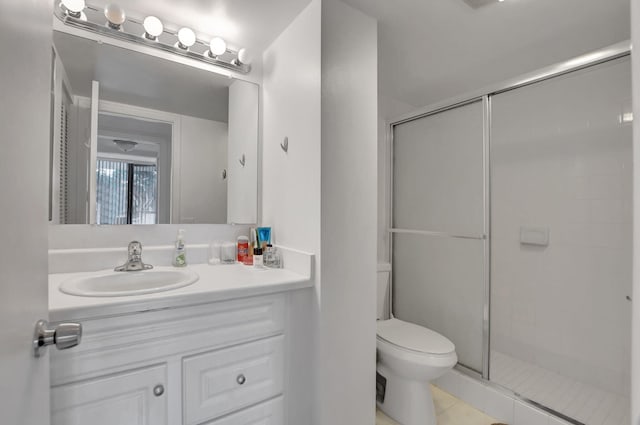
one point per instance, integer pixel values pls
(406, 401)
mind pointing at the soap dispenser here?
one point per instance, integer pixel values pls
(180, 254)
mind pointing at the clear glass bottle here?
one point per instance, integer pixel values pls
(272, 257)
(268, 255)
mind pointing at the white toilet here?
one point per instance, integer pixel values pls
(409, 357)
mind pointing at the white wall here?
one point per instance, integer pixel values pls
(203, 191)
(242, 181)
(321, 197)
(349, 205)
(291, 184)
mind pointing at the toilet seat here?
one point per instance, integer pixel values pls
(414, 338)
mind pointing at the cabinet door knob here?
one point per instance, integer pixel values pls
(241, 379)
(158, 390)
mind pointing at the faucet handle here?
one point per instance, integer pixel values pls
(135, 248)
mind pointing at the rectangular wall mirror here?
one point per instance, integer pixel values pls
(137, 139)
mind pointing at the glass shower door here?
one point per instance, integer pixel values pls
(561, 200)
(439, 227)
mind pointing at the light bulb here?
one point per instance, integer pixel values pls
(152, 27)
(244, 56)
(115, 16)
(217, 47)
(186, 38)
(74, 8)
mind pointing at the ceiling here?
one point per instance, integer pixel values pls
(431, 50)
(148, 134)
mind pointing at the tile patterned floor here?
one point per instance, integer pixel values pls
(586, 403)
(449, 411)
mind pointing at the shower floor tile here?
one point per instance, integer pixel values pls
(583, 402)
(449, 411)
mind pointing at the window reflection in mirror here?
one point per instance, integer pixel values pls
(139, 139)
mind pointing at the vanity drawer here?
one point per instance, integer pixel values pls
(223, 381)
(267, 413)
(112, 344)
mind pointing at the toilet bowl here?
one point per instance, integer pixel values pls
(409, 357)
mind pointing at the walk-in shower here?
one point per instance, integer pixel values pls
(511, 233)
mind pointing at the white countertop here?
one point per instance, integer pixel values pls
(216, 283)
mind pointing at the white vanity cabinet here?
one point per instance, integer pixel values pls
(219, 363)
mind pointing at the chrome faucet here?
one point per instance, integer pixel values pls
(134, 262)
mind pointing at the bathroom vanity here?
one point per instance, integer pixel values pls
(214, 352)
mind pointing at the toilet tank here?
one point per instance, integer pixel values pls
(384, 275)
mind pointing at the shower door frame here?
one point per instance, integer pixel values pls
(597, 57)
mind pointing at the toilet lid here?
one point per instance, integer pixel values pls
(413, 337)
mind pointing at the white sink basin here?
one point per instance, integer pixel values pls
(121, 284)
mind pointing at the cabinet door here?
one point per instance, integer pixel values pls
(123, 399)
(223, 381)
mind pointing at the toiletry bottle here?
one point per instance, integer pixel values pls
(180, 254)
(264, 236)
(258, 261)
(252, 243)
(243, 249)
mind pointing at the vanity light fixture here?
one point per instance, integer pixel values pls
(115, 16)
(119, 26)
(244, 57)
(152, 28)
(217, 47)
(74, 8)
(186, 38)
